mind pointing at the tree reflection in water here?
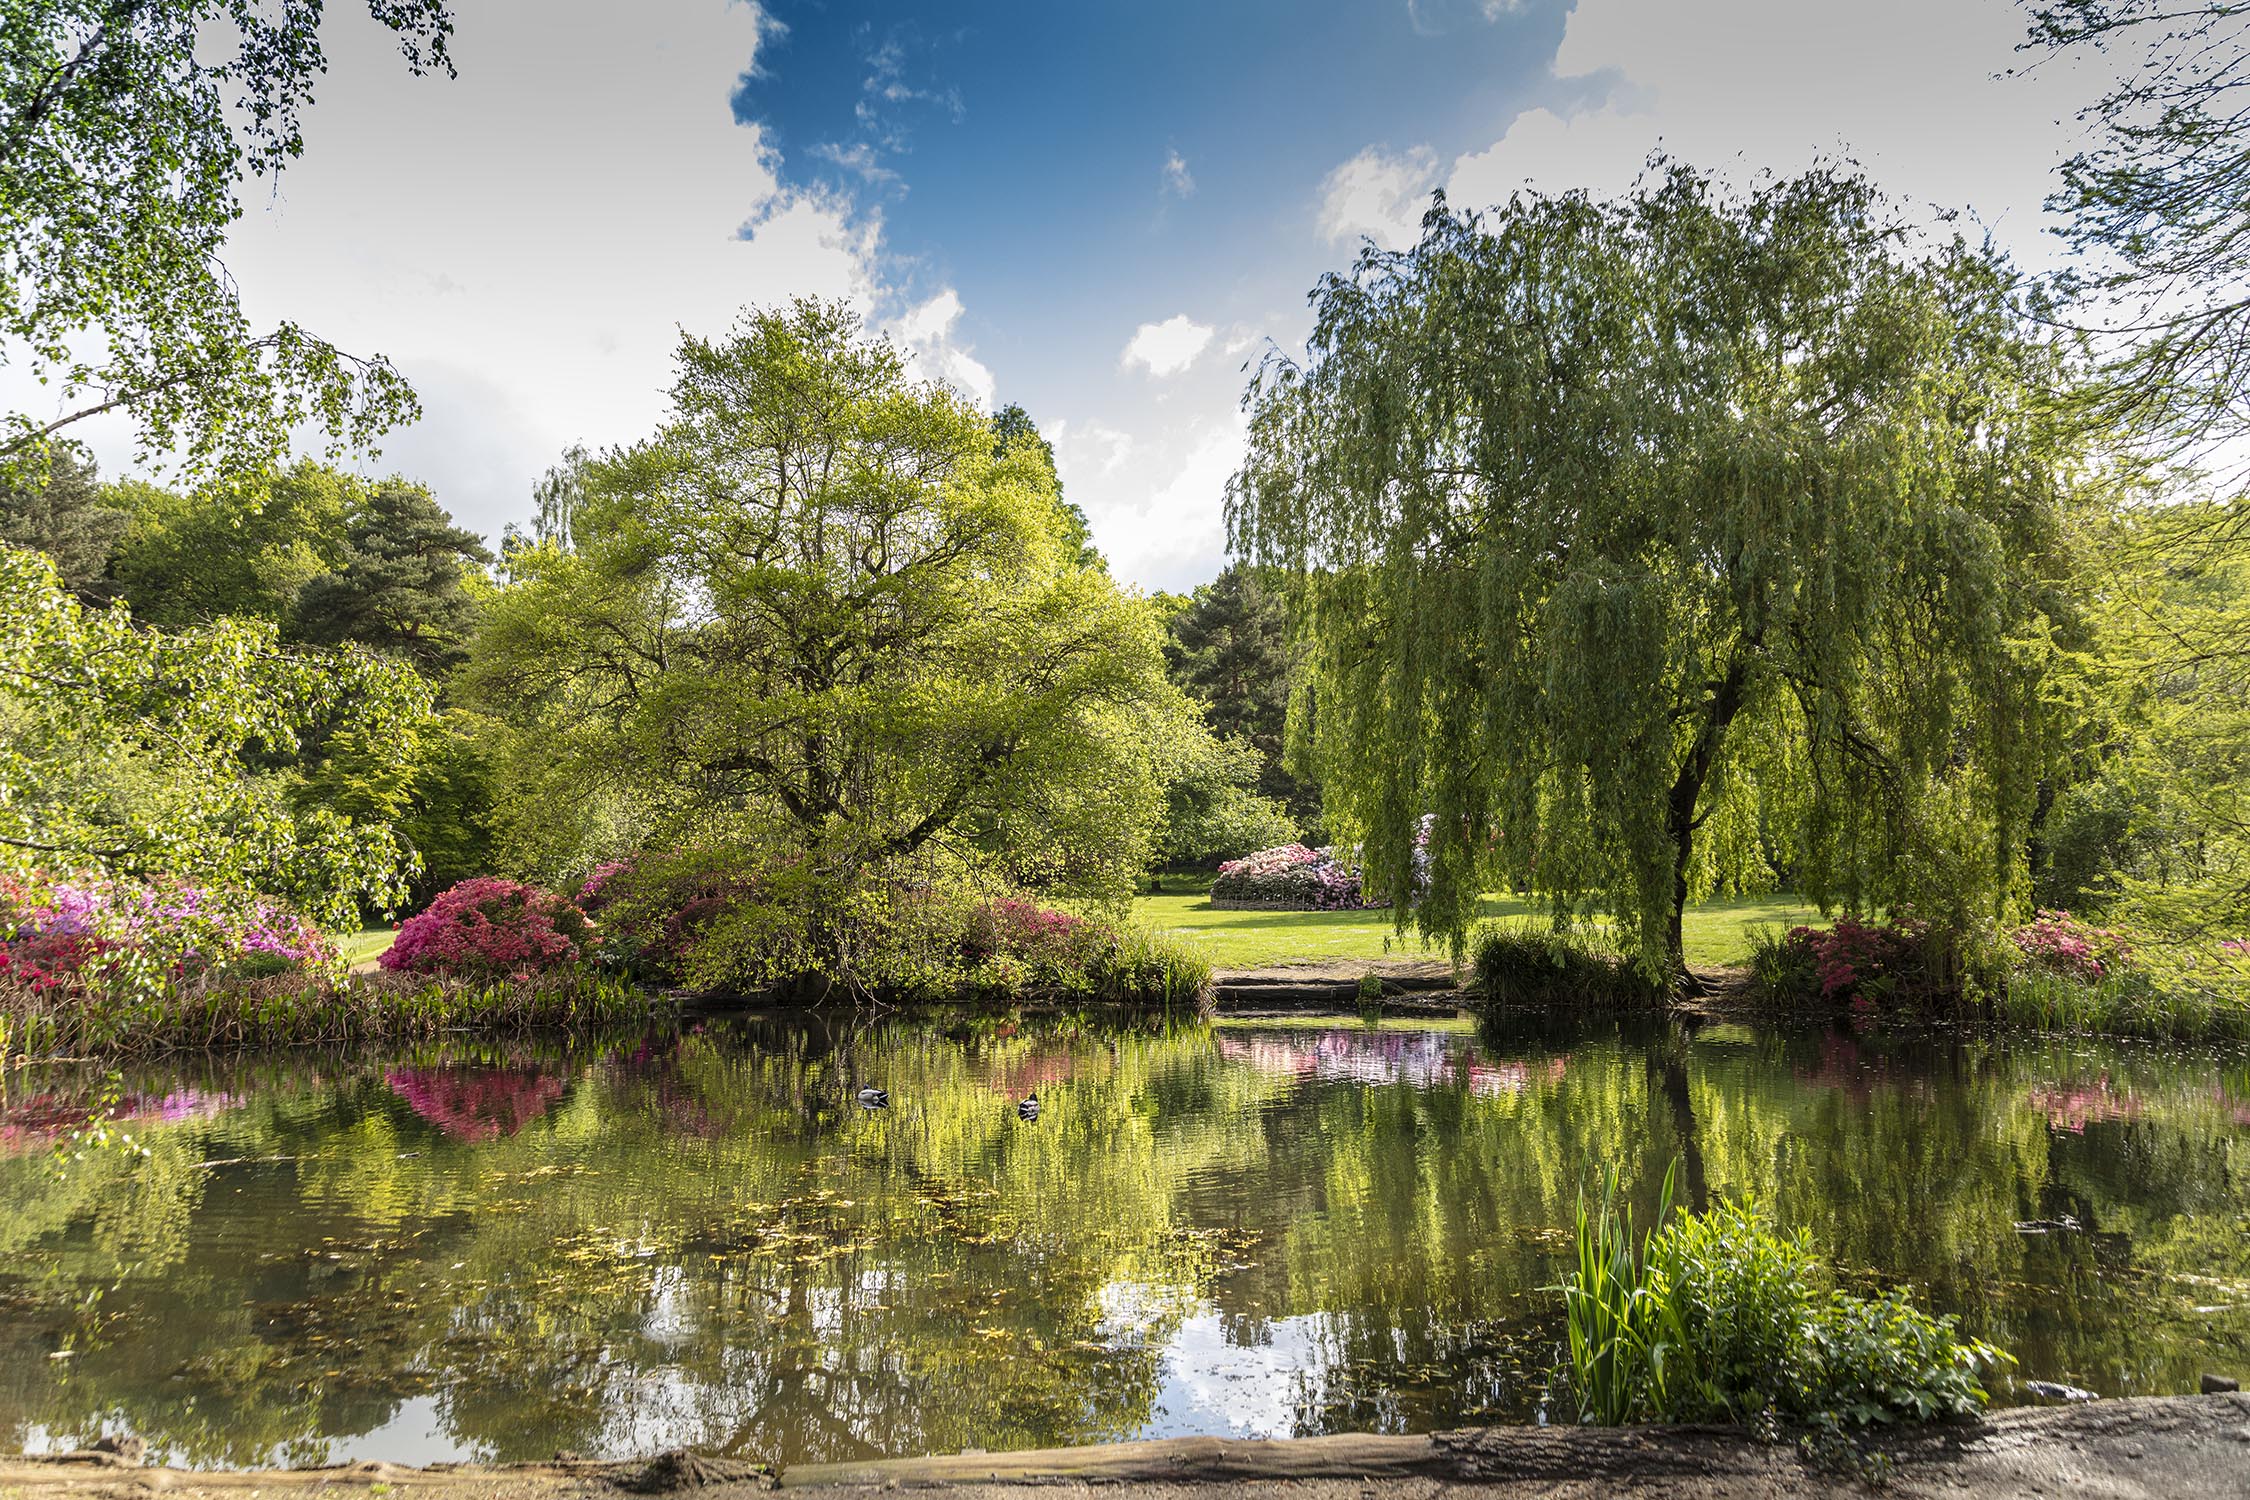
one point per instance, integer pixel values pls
(698, 1239)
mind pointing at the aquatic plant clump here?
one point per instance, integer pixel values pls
(1295, 878)
(1717, 1316)
(490, 926)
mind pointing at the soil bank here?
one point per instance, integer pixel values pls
(2153, 1448)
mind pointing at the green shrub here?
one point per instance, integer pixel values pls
(719, 924)
(1716, 1316)
(1882, 1359)
(1521, 963)
(1744, 1294)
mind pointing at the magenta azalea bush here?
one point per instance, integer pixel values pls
(1295, 876)
(2062, 944)
(493, 927)
(84, 936)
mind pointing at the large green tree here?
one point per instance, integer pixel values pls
(824, 612)
(1624, 531)
(1012, 424)
(127, 128)
(244, 550)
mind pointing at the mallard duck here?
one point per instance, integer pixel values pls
(1027, 1108)
(873, 1098)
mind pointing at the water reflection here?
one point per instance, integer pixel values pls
(505, 1252)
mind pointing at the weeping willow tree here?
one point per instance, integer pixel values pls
(1641, 544)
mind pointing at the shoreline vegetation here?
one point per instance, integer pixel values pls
(1179, 949)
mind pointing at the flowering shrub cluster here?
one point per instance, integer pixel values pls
(2062, 944)
(86, 936)
(1292, 875)
(493, 927)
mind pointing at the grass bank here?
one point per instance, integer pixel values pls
(365, 946)
(1717, 933)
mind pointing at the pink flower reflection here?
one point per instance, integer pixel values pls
(478, 1104)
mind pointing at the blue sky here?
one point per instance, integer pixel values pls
(1100, 210)
(1024, 152)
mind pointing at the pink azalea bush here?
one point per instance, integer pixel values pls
(2062, 944)
(493, 927)
(1306, 879)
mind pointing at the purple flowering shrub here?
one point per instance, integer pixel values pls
(1293, 875)
(2062, 944)
(88, 936)
(493, 927)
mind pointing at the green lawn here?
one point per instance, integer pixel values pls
(359, 947)
(1717, 932)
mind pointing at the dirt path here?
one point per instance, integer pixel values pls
(2162, 1448)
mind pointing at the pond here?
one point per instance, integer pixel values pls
(502, 1252)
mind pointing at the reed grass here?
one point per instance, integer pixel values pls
(297, 1009)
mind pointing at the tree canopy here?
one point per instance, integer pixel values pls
(825, 612)
(126, 130)
(243, 550)
(1635, 538)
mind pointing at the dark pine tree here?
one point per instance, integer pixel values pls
(1230, 649)
(65, 514)
(400, 589)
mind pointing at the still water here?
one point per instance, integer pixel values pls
(1255, 1229)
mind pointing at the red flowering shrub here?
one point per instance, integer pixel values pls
(491, 926)
(1865, 964)
(655, 909)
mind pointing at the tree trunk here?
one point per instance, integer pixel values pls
(1681, 817)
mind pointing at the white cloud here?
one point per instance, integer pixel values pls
(1171, 535)
(927, 331)
(1168, 347)
(1781, 82)
(530, 268)
(1178, 181)
(859, 158)
(1378, 195)
(1092, 449)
